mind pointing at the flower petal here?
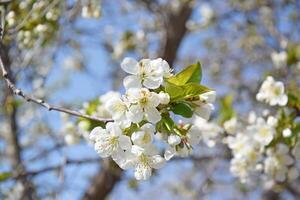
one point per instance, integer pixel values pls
(153, 115)
(157, 162)
(135, 114)
(130, 65)
(132, 81)
(169, 153)
(95, 133)
(125, 142)
(152, 83)
(142, 172)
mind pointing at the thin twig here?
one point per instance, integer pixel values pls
(54, 168)
(35, 100)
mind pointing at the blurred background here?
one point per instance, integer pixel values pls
(69, 53)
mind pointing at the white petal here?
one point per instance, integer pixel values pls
(209, 97)
(135, 114)
(153, 115)
(194, 135)
(125, 142)
(148, 128)
(152, 83)
(164, 98)
(283, 100)
(125, 160)
(204, 111)
(132, 81)
(130, 65)
(142, 172)
(95, 132)
(169, 153)
(157, 162)
(137, 150)
(150, 150)
(174, 140)
(113, 129)
(137, 137)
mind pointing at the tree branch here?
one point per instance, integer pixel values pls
(175, 30)
(53, 168)
(30, 98)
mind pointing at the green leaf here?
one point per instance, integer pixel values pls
(183, 109)
(92, 106)
(4, 176)
(191, 74)
(226, 109)
(182, 92)
(166, 124)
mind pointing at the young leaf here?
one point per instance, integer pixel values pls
(183, 109)
(166, 124)
(182, 92)
(226, 109)
(191, 74)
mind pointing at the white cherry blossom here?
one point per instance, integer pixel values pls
(144, 136)
(110, 141)
(148, 73)
(143, 105)
(277, 163)
(117, 108)
(231, 125)
(208, 131)
(174, 140)
(144, 160)
(164, 98)
(204, 104)
(263, 131)
(287, 133)
(279, 59)
(272, 92)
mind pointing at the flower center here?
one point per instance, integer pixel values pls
(114, 142)
(119, 107)
(143, 160)
(143, 101)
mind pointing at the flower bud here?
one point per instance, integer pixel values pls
(164, 98)
(174, 140)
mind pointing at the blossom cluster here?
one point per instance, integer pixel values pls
(39, 25)
(142, 118)
(264, 144)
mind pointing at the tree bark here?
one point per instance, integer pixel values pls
(175, 31)
(104, 182)
(14, 148)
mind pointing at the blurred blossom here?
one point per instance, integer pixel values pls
(279, 59)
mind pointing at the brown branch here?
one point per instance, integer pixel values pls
(103, 182)
(30, 98)
(175, 25)
(67, 162)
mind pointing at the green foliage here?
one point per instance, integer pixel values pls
(182, 108)
(294, 99)
(185, 86)
(191, 74)
(293, 54)
(226, 109)
(92, 106)
(166, 124)
(286, 120)
(4, 176)
(42, 22)
(181, 92)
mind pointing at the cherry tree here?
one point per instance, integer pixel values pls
(174, 99)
